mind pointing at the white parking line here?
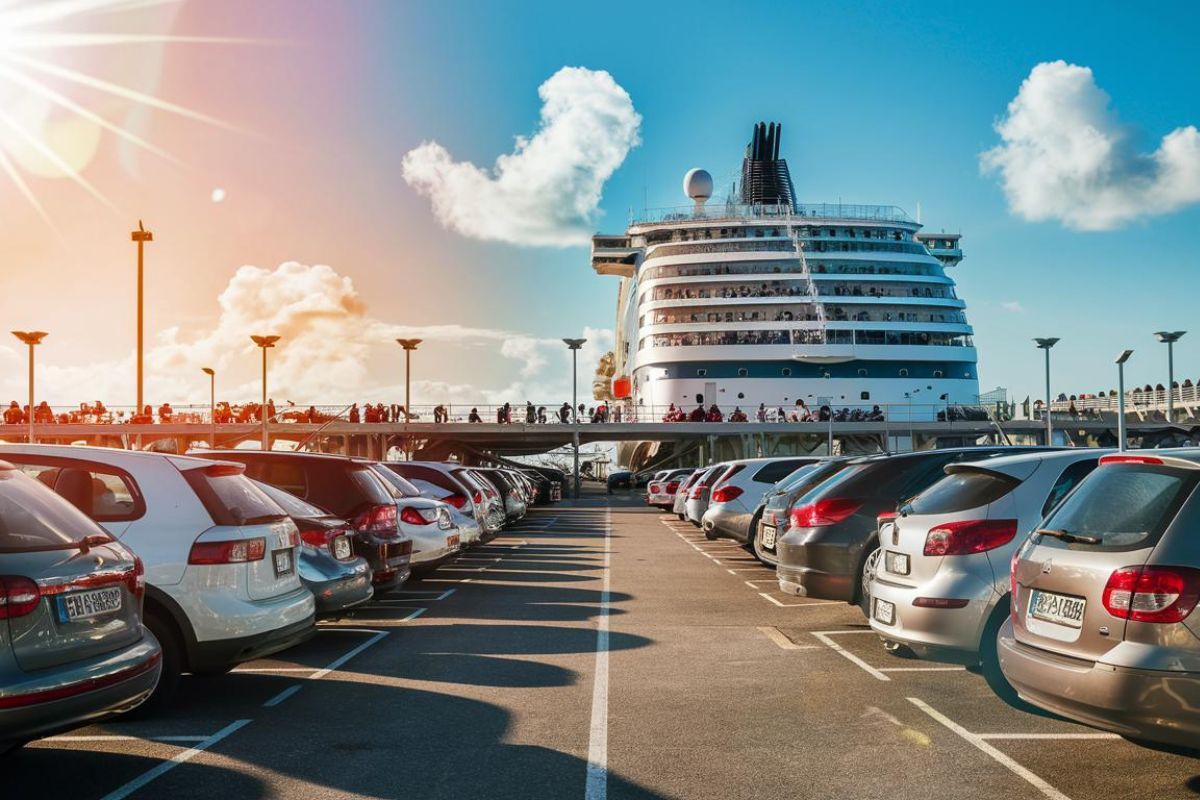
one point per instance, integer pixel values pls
(596, 787)
(798, 605)
(824, 637)
(119, 738)
(1000, 758)
(284, 695)
(922, 669)
(240, 670)
(179, 758)
(784, 643)
(416, 613)
(379, 636)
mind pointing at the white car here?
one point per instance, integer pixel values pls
(679, 504)
(733, 508)
(698, 496)
(941, 584)
(222, 585)
(429, 523)
(453, 484)
(661, 490)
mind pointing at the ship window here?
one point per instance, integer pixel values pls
(743, 372)
(741, 396)
(864, 396)
(786, 372)
(903, 373)
(937, 373)
(700, 373)
(862, 373)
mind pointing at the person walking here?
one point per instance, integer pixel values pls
(474, 416)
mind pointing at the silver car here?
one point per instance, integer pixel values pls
(940, 587)
(698, 496)
(679, 504)
(1103, 629)
(733, 509)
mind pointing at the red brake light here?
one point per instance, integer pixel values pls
(653, 488)
(18, 596)
(698, 489)
(136, 580)
(1125, 459)
(824, 512)
(456, 500)
(376, 518)
(224, 470)
(1152, 594)
(884, 516)
(231, 552)
(726, 493)
(672, 487)
(414, 517)
(969, 536)
(477, 498)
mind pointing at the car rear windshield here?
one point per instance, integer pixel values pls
(398, 482)
(32, 517)
(1126, 506)
(230, 497)
(373, 488)
(961, 491)
(828, 483)
(774, 471)
(292, 505)
(415, 472)
(793, 479)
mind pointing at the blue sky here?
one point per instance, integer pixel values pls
(881, 103)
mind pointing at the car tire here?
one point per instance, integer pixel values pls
(682, 518)
(173, 659)
(870, 563)
(711, 534)
(753, 533)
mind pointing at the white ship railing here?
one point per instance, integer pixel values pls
(814, 211)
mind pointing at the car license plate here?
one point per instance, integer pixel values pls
(341, 548)
(1057, 608)
(452, 541)
(885, 612)
(283, 562)
(82, 605)
(896, 563)
(768, 536)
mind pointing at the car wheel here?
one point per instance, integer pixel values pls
(753, 533)
(171, 643)
(682, 518)
(869, 566)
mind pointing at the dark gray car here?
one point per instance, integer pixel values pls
(773, 518)
(72, 646)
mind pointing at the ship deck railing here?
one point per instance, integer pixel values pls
(801, 213)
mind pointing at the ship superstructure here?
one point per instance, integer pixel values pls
(761, 299)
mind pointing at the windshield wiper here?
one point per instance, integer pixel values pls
(1067, 536)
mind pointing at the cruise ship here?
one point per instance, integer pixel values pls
(759, 299)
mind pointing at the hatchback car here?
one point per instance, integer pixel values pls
(346, 488)
(700, 492)
(430, 524)
(1102, 629)
(941, 586)
(777, 504)
(734, 507)
(72, 646)
(832, 532)
(220, 556)
(453, 484)
(661, 491)
(510, 493)
(679, 505)
(338, 579)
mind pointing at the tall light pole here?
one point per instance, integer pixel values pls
(1170, 338)
(141, 236)
(1121, 359)
(1046, 344)
(575, 345)
(32, 339)
(212, 403)
(264, 343)
(409, 345)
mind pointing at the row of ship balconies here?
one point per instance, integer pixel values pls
(804, 313)
(854, 337)
(884, 269)
(659, 296)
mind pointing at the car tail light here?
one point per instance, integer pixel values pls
(697, 490)
(726, 493)
(939, 602)
(224, 470)
(885, 516)
(18, 596)
(477, 498)
(135, 581)
(1012, 582)
(1152, 594)
(672, 487)
(231, 552)
(653, 488)
(969, 536)
(1126, 459)
(380, 519)
(335, 540)
(415, 516)
(456, 500)
(830, 511)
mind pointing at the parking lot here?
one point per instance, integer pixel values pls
(602, 650)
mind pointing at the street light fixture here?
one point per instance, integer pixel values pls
(212, 404)
(141, 236)
(1170, 338)
(32, 339)
(265, 343)
(1121, 359)
(575, 345)
(1046, 344)
(409, 345)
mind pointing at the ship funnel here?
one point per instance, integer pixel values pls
(765, 176)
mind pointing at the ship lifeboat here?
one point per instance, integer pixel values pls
(622, 387)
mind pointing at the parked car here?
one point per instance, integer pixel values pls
(453, 484)
(777, 504)
(514, 504)
(220, 556)
(469, 530)
(338, 579)
(832, 538)
(524, 484)
(734, 508)
(698, 496)
(679, 505)
(941, 585)
(347, 489)
(661, 491)
(1102, 629)
(430, 524)
(620, 479)
(557, 478)
(547, 491)
(72, 646)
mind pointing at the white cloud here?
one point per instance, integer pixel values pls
(1013, 306)
(547, 191)
(1065, 155)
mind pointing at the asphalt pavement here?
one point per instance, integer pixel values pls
(598, 650)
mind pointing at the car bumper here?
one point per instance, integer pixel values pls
(43, 704)
(334, 595)
(1154, 705)
(813, 568)
(728, 522)
(694, 510)
(431, 548)
(940, 634)
(219, 653)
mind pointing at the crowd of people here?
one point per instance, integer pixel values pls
(800, 412)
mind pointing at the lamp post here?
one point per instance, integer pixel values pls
(1046, 344)
(1121, 359)
(141, 236)
(212, 404)
(409, 345)
(32, 339)
(264, 343)
(1170, 338)
(574, 345)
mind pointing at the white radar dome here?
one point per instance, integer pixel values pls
(698, 184)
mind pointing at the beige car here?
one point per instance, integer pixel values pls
(1102, 629)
